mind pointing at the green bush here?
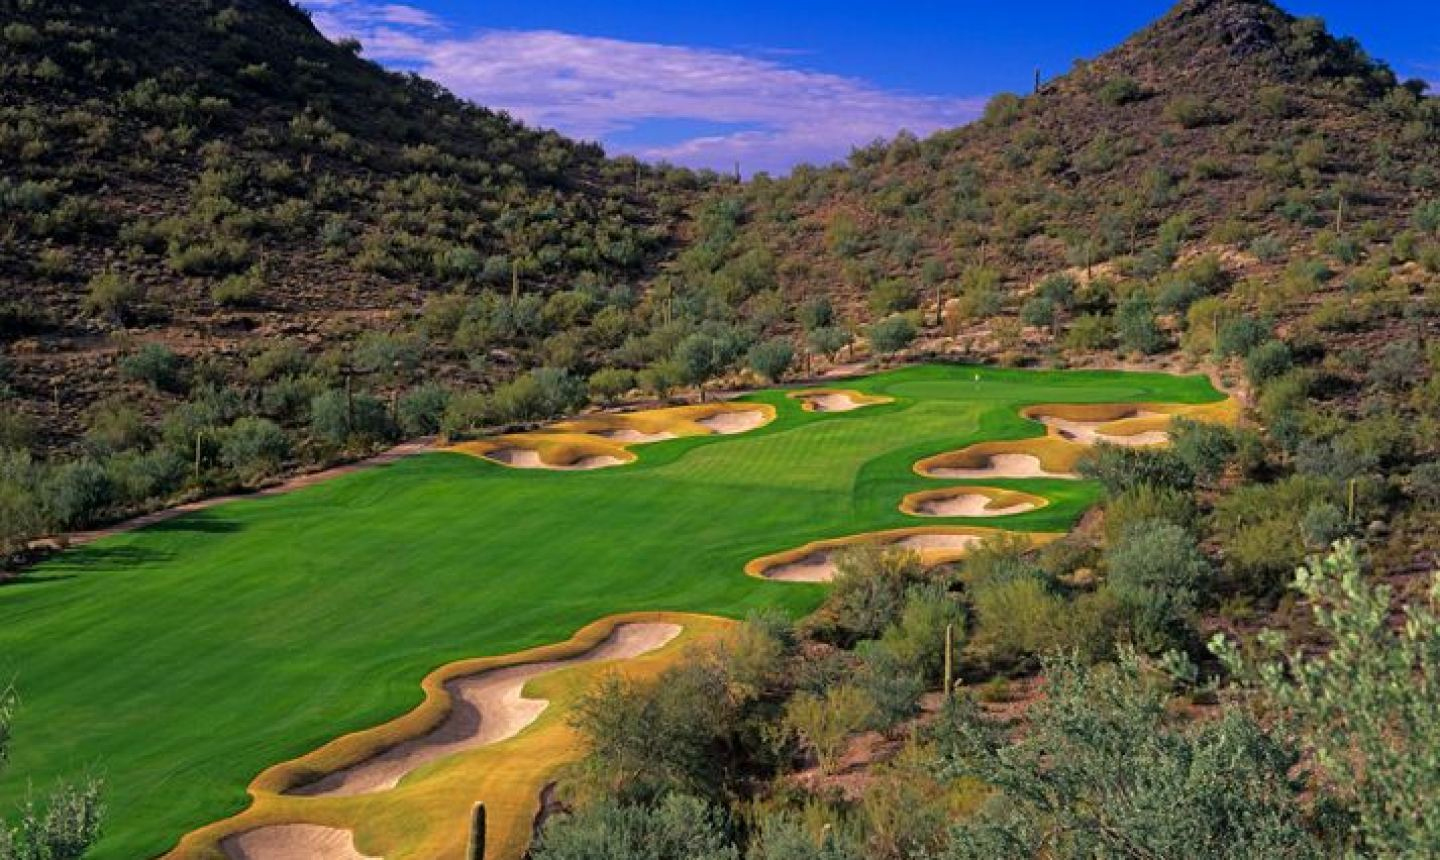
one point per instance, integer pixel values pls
(772, 358)
(340, 419)
(1122, 468)
(155, 365)
(870, 587)
(676, 827)
(1135, 325)
(1194, 112)
(68, 823)
(76, 492)
(893, 296)
(422, 409)
(1088, 332)
(828, 340)
(1038, 311)
(254, 448)
(1156, 572)
(892, 334)
(1120, 90)
(1146, 502)
(114, 296)
(1268, 361)
(609, 384)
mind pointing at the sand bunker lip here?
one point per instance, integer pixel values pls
(816, 562)
(291, 842)
(970, 502)
(835, 399)
(731, 422)
(631, 436)
(999, 465)
(486, 708)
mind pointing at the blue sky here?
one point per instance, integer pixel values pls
(768, 85)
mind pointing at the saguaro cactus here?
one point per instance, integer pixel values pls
(477, 833)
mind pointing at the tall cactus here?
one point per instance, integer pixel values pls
(477, 833)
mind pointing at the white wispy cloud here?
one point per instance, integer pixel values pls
(592, 87)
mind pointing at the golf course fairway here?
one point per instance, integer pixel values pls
(180, 661)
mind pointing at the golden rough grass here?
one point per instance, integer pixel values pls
(566, 443)
(1060, 455)
(999, 499)
(930, 557)
(428, 814)
(807, 396)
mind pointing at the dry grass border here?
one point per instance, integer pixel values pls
(392, 816)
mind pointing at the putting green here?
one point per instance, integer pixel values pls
(180, 661)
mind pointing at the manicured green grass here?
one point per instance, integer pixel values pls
(181, 660)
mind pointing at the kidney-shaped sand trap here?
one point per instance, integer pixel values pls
(816, 562)
(970, 502)
(293, 842)
(733, 421)
(525, 458)
(835, 399)
(486, 708)
(996, 466)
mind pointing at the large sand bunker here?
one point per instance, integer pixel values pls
(998, 466)
(1120, 426)
(730, 422)
(486, 708)
(631, 436)
(835, 400)
(970, 502)
(818, 562)
(293, 842)
(525, 458)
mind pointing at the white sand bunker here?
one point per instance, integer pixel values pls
(922, 542)
(631, 436)
(838, 402)
(488, 707)
(730, 423)
(1089, 432)
(963, 504)
(293, 842)
(818, 566)
(525, 458)
(1001, 466)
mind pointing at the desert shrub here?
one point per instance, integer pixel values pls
(909, 655)
(892, 334)
(1194, 112)
(114, 296)
(1088, 332)
(783, 837)
(1038, 311)
(1399, 365)
(254, 448)
(1423, 483)
(1360, 706)
(1156, 572)
(1135, 325)
(1240, 335)
(609, 384)
(647, 737)
(76, 492)
(1120, 90)
(1144, 503)
(240, 291)
(1256, 526)
(892, 296)
(772, 358)
(387, 353)
(1003, 109)
(114, 426)
(1427, 216)
(1322, 525)
(828, 340)
(422, 409)
(288, 398)
(137, 477)
(1270, 360)
(676, 827)
(1267, 248)
(340, 419)
(1067, 787)
(155, 365)
(286, 358)
(825, 721)
(66, 825)
(1205, 448)
(18, 431)
(816, 312)
(1122, 468)
(871, 583)
(1059, 289)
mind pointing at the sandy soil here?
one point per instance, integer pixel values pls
(1088, 432)
(815, 567)
(1002, 466)
(630, 436)
(730, 423)
(832, 403)
(524, 458)
(488, 708)
(968, 505)
(293, 842)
